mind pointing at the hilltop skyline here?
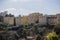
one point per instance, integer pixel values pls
(25, 7)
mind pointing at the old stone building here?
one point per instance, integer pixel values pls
(58, 18)
(38, 18)
(3, 13)
(24, 20)
(1, 19)
(52, 19)
(9, 20)
(42, 20)
(18, 21)
(34, 18)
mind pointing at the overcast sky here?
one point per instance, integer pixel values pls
(25, 7)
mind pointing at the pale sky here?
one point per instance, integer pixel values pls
(25, 7)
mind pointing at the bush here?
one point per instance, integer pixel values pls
(57, 28)
(52, 36)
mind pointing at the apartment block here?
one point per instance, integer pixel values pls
(58, 18)
(33, 18)
(9, 20)
(42, 20)
(24, 20)
(1, 19)
(18, 21)
(52, 19)
(3, 13)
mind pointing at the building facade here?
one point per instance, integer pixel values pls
(42, 20)
(58, 18)
(3, 13)
(52, 19)
(33, 18)
(1, 19)
(24, 20)
(18, 21)
(9, 20)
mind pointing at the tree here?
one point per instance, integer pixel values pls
(41, 31)
(52, 36)
(20, 32)
(57, 28)
(3, 26)
(24, 34)
(16, 36)
(38, 37)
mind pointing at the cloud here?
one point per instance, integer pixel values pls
(11, 10)
(20, 0)
(20, 11)
(16, 12)
(27, 1)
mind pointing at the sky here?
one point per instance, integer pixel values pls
(25, 7)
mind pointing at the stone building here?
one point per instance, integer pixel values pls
(18, 21)
(1, 19)
(58, 18)
(24, 20)
(3, 13)
(52, 19)
(42, 20)
(9, 20)
(34, 18)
